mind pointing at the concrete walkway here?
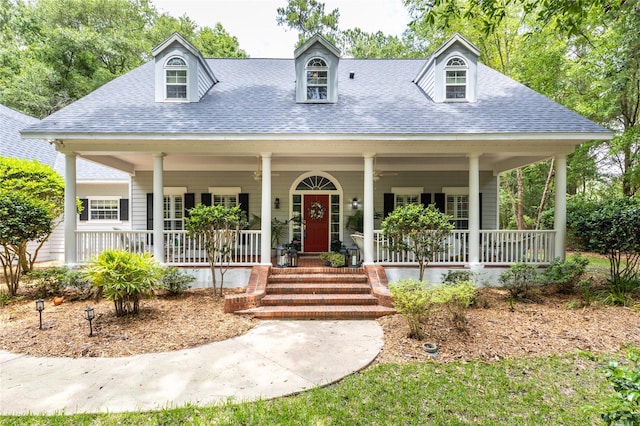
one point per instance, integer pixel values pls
(273, 359)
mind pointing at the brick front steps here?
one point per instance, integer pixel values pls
(316, 293)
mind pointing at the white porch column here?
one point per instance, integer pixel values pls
(158, 207)
(560, 216)
(368, 209)
(265, 223)
(70, 209)
(474, 210)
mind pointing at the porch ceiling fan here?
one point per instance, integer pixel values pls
(377, 174)
(257, 174)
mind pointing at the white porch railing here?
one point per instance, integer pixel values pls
(179, 248)
(497, 247)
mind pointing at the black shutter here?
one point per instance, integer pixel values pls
(84, 215)
(243, 201)
(205, 199)
(440, 201)
(389, 203)
(149, 210)
(480, 208)
(425, 198)
(189, 202)
(124, 209)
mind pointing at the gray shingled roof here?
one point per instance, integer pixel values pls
(258, 96)
(11, 145)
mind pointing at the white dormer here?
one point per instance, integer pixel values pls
(181, 73)
(451, 73)
(317, 71)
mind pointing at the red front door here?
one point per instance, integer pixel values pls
(316, 223)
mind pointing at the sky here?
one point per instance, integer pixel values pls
(253, 22)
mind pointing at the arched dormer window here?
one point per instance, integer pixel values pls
(456, 79)
(317, 73)
(176, 78)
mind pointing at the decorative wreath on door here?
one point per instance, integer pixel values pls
(316, 210)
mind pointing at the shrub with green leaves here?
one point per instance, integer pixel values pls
(457, 298)
(565, 274)
(456, 276)
(413, 300)
(175, 281)
(623, 408)
(123, 277)
(519, 280)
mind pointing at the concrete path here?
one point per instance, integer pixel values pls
(275, 358)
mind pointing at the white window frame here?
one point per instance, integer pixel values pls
(402, 193)
(175, 218)
(456, 192)
(90, 200)
(315, 84)
(460, 69)
(225, 192)
(175, 69)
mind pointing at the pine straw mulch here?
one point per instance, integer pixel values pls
(196, 317)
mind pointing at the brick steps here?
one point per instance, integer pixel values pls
(319, 312)
(318, 293)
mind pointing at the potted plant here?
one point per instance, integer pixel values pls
(355, 222)
(337, 260)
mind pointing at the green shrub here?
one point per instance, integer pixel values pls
(175, 281)
(457, 298)
(4, 298)
(48, 281)
(123, 277)
(414, 301)
(565, 274)
(454, 277)
(519, 280)
(623, 408)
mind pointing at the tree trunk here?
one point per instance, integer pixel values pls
(545, 195)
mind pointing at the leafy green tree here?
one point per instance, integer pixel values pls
(308, 18)
(417, 229)
(22, 219)
(122, 277)
(38, 182)
(219, 225)
(611, 227)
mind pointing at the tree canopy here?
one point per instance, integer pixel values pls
(53, 52)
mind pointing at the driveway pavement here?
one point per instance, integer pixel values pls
(275, 358)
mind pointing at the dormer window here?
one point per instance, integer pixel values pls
(176, 78)
(456, 79)
(317, 79)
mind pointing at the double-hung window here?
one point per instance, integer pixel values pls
(226, 196)
(456, 79)
(176, 78)
(405, 196)
(458, 209)
(317, 74)
(174, 209)
(104, 209)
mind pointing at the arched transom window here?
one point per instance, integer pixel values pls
(316, 183)
(176, 78)
(317, 79)
(456, 78)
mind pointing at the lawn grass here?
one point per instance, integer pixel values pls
(527, 391)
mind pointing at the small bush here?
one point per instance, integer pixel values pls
(414, 301)
(5, 299)
(454, 277)
(334, 259)
(457, 298)
(519, 280)
(623, 408)
(175, 281)
(123, 277)
(55, 280)
(565, 274)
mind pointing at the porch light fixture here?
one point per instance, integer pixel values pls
(40, 308)
(292, 257)
(354, 256)
(276, 203)
(89, 315)
(281, 256)
(355, 204)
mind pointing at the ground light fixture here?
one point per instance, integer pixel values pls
(89, 315)
(40, 308)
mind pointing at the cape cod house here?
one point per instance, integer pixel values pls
(103, 190)
(314, 138)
